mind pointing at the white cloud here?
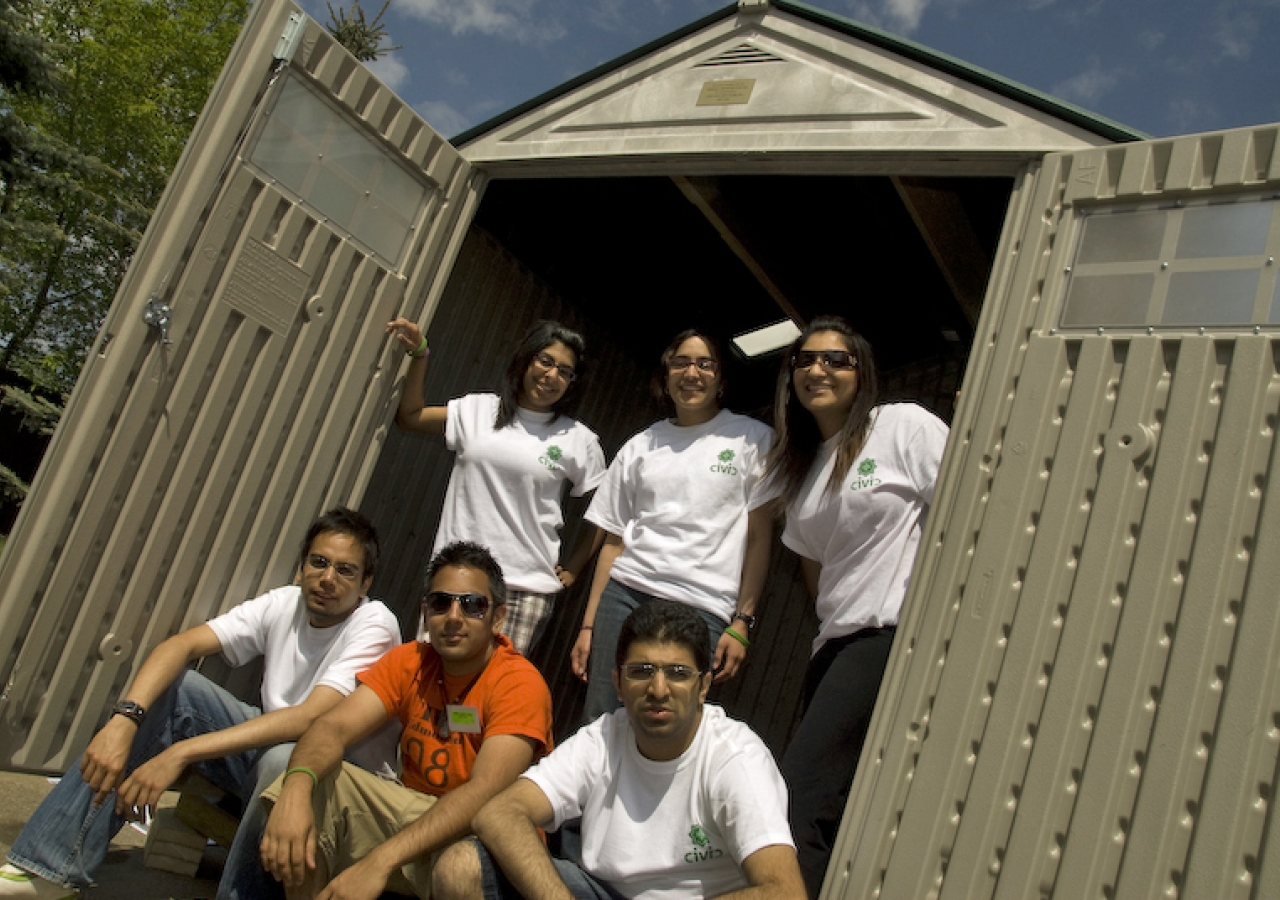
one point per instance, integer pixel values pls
(1151, 39)
(442, 117)
(518, 20)
(1087, 86)
(390, 71)
(901, 16)
(1187, 114)
(1235, 34)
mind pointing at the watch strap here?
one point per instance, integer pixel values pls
(130, 710)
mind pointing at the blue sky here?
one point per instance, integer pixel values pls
(1161, 66)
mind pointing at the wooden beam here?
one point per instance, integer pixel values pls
(945, 227)
(705, 195)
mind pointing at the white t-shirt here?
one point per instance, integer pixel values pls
(866, 534)
(505, 488)
(667, 830)
(297, 658)
(678, 496)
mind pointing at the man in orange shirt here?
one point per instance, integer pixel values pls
(475, 714)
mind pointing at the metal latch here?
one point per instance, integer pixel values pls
(156, 314)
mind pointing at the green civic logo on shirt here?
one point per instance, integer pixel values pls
(725, 466)
(867, 479)
(551, 459)
(702, 849)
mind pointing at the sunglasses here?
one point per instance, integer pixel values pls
(830, 359)
(546, 364)
(346, 570)
(474, 606)
(702, 363)
(675, 673)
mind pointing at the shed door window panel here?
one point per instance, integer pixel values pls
(332, 165)
(1178, 266)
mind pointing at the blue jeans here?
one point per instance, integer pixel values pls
(616, 603)
(66, 838)
(581, 885)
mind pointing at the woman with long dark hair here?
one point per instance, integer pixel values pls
(683, 508)
(516, 450)
(857, 480)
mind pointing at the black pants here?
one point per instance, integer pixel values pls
(840, 693)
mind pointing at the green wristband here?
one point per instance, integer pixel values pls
(421, 351)
(315, 782)
(737, 637)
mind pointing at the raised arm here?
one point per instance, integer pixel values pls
(508, 826)
(105, 758)
(581, 652)
(755, 567)
(413, 414)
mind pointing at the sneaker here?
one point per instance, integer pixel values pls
(16, 883)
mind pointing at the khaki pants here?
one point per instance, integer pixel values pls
(356, 811)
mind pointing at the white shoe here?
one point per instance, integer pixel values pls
(16, 883)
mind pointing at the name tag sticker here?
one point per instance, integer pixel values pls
(463, 719)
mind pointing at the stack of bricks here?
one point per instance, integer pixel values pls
(173, 846)
(178, 835)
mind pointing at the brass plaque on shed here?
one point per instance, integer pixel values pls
(726, 92)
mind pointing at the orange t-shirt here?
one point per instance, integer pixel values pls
(509, 695)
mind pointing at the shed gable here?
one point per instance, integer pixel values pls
(767, 79)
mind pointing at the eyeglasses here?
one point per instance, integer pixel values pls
(830, 359)
(675, 673)
(474, 606)
(703, 364)
(547, 364)
(345, 570)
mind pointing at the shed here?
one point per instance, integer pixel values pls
(1081, 676)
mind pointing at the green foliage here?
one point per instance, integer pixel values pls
(96, 148)
(11, 486)
(362, 38)
(39, 416)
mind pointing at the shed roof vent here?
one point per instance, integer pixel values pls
(740, 55)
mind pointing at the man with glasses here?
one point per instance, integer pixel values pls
(677, 800)
(475, 714)
(314, 637)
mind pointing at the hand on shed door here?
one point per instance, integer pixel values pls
(406, 333)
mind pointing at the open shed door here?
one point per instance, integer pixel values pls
(1083, 700)
(241, 383)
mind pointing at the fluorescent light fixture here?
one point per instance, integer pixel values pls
(766, 339)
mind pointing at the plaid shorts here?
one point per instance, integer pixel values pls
(527, 617)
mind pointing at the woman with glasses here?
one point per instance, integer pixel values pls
(516, 450)
(683, 511)
(857, 480)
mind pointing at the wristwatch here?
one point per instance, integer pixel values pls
(748, 620)
(130, 710)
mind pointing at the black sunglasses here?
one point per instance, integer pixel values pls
(830, 359)
(474, 606)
